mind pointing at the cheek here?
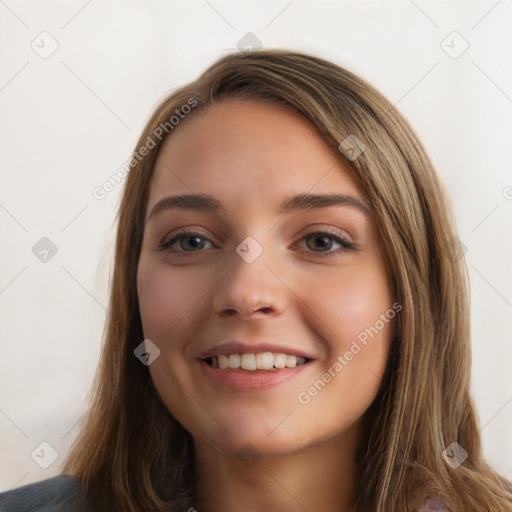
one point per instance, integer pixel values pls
(351, 303)
(363, 322)
(165, 297)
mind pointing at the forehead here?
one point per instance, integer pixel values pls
(244, 152)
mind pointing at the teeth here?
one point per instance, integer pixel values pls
(260, 361)
(223, 362)
(234, 361)
(264, 360)
(280, 360)
(248, 362)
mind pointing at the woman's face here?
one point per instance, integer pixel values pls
(275, 281)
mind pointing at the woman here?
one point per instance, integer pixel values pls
(261, 367)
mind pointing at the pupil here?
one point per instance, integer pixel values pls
(324, 238)
(194, 245)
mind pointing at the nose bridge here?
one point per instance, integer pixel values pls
(250, 285)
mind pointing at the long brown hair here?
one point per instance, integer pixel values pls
(132, 455)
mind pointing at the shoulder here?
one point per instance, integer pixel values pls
(58, 494)
(433, 504)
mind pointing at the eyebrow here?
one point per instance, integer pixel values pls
(207, 203)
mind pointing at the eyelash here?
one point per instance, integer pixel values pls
(346, 246)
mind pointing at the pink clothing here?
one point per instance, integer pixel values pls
(433, 504)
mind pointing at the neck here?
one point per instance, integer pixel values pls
(320, 478)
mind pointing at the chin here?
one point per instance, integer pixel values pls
(253, 436)
(249, 448)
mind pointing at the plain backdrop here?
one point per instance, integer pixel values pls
(78, 81)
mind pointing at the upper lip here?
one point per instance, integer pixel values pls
(240, 347)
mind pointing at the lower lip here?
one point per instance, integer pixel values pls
(252, 380)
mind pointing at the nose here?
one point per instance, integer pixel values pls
(249, 289)
(245, 312)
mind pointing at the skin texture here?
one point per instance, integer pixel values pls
(251, 156)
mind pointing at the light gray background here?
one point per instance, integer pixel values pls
(70, 120)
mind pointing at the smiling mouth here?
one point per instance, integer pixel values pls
(253, 362)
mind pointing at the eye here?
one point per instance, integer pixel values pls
(197, 245)
(324, 236)
(183, 235)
